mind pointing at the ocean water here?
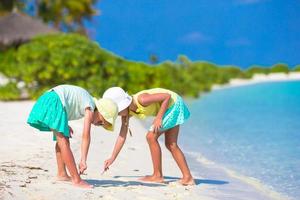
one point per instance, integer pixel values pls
(253, 130)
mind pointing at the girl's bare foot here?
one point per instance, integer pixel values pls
(156, 179)
(64, 178)
(187, 181)
(83, 184)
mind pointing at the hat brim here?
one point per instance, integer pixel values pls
(125, 103)
(109, 120)
(110, 126)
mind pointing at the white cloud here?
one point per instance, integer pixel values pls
(238, 42)
(194, 37)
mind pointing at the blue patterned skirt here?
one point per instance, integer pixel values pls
(177, 114)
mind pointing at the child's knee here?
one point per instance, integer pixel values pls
(171, 146)
(151, 137)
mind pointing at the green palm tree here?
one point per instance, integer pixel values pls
(66, 14)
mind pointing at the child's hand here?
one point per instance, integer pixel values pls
(107, 163)
(156, 125)
(71, 131)
(82, 167)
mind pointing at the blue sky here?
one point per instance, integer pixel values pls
(238, 32)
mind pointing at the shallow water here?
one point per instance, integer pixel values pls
(253, 130)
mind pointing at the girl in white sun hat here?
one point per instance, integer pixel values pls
(169, 110)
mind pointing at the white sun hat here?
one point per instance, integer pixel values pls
(119, 96)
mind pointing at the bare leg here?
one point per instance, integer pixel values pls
(171, 137)
(156, 158)
(68, 160)
(62, 174)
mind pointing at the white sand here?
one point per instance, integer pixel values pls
(260, 78)
(28, 167)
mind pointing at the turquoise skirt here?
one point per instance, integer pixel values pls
(177, 114)
(48, 114)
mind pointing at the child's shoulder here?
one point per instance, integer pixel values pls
(70, 88)
(155, 91)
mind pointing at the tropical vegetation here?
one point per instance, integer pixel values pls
(62, 58)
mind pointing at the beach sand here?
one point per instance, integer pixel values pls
(28, 167)
(260, 78)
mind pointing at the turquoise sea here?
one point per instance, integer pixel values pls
(253, 130)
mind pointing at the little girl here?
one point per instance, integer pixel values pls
(169, 110)
(55, 108)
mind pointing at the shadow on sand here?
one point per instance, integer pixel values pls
(198, 181)
(118, 183)
(169, 179)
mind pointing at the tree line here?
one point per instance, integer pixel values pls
(69, 58)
